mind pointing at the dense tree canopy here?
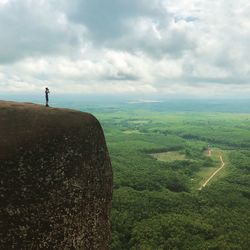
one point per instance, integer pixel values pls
(157, 203)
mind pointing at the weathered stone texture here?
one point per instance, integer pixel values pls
(55, 179)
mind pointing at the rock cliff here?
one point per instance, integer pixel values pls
(55, 179)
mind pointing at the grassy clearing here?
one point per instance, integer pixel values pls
(128, 132)
(169, 156)
(140, 121)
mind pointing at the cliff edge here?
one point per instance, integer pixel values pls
(55, 179)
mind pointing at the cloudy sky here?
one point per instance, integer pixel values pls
(126, 47)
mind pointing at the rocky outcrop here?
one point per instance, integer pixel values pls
(55, 179)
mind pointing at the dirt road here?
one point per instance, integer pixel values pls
(214, 173)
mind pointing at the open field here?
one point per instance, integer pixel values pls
(169, 156)
(161, 160)
(131, 132)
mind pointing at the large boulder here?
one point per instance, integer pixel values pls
(55, 179)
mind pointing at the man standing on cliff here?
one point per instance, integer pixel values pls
(47, 96)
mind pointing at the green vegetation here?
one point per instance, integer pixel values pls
(160, 161)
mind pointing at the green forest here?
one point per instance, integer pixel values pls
(181, 179)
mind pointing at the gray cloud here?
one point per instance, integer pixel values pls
(31, 28)
(132, 25)
(106, 20)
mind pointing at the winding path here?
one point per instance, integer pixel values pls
(214, 173)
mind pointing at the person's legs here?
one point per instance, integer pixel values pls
(47, 101)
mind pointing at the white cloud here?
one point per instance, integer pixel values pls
(126, 47)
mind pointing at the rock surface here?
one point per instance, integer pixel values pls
(55, 179)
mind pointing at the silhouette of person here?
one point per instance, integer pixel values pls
(47, 96)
